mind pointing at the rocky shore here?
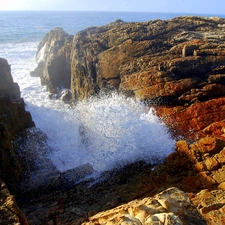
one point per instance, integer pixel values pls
(177, 66)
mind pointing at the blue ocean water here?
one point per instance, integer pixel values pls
(30, 26)
(117, 130)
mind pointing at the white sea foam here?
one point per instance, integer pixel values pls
(104, 131)
(40, 56)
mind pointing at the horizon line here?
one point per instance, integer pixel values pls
(113, 11)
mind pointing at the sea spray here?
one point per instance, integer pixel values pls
(105, 131)
(99, 134)
(118, 130)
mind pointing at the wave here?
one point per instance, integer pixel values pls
(105, 132)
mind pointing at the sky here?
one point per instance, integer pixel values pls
(186, 6)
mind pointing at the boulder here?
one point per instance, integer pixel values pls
(53, 58)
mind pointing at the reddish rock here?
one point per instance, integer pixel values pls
(192, 121)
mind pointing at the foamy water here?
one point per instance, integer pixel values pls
(104, 132)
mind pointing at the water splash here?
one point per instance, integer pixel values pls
(107, 132)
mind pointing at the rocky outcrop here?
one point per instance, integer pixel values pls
(53, 57)
(211, 204)
(176, 64)
(14, 119)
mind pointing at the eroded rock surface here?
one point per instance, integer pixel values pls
(177, 64)
(171, 206)
(211, 204)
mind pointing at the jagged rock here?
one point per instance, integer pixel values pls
(10, 214)
(171, 206)
(211, 205)
(7, 87)
(177, 64)
(191, 168)
(53, 57)
(14, 119)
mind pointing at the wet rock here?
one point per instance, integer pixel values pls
(65, 95)
(7, 87)
(53, 57)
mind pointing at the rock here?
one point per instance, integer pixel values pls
(53, 57)
(176, 64)
(9, 211)
(211, 204)
(14, 120)
(65, 95)
(171, 206)
(7, 87)
(193, 122)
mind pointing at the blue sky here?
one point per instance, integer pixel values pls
(186, 6)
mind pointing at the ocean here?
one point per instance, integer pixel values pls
(104, 132)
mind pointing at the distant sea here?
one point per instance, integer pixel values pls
(31, 26)
(117, 130)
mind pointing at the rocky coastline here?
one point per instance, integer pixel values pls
(177, 66)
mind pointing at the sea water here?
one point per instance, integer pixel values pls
(105, 131)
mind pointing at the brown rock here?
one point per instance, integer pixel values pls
(211, 205)
(177, 64)
(9, 211)
(221, 156)
(221, 186)
(219, 175)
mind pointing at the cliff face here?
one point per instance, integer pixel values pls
(174, 64)
(14, 119)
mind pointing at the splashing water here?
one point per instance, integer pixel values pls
(107, 131)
